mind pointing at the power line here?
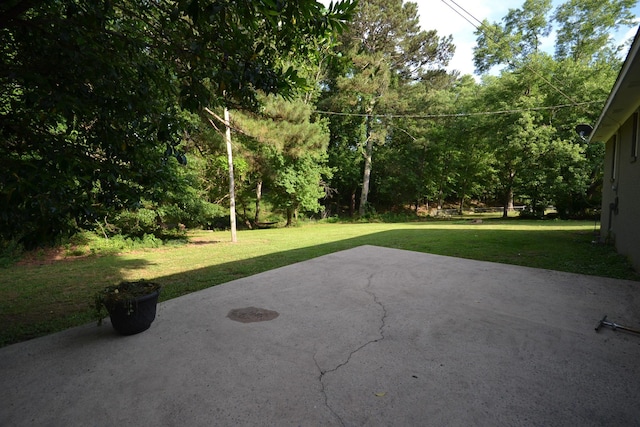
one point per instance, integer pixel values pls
(465, 11)
(438, 116)
(489, 36)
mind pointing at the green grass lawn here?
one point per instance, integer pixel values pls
(40, 299)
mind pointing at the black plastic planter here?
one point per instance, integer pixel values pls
(135, 316)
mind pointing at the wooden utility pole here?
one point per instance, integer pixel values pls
(232, 191)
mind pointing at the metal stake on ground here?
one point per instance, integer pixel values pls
(614, 326)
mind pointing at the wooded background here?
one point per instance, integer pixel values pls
(345, 110)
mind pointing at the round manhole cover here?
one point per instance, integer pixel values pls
(252, 314)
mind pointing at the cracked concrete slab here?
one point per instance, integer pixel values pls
(367, 336)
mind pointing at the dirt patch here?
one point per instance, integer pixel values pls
(46, 256)
(202, 242)
(40, 257)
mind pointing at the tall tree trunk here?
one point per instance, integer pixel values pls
(289, 217)
(232, 191)
(368, 156)
(508, 196)
(443, 178)
(245, 218)
(352, 205)
(463, 193)
(258, 200)
(508, 202)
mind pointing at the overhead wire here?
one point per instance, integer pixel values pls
(490, 37)
(469, 17)
(465, 11)
(437, 116)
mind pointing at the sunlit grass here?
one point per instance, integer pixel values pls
(39, 299)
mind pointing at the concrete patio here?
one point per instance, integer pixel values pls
(365, 337)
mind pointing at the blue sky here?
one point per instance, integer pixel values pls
(436, 15)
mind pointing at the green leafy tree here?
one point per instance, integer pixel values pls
(512, 137)
(519, 36)
(91, 94)
(289, 155)
(78, 127)
(384, 49)
(474, 159)
(588, 85)
(585, 27)
(346, 160)
(435, 155)
(538, 156)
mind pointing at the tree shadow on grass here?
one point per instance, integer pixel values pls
(47, 306)
(33, 305)
(562, 250)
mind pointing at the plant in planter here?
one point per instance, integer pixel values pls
(131, 305)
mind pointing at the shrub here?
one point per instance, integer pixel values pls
(137, 223)
(10, 252)
(192, 213)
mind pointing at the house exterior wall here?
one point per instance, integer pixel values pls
(620, 218)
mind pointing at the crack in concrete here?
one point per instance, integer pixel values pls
(340, 365)
(324, 392)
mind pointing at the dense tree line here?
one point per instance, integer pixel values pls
(432, 138)
(96, 98)
(339, 110)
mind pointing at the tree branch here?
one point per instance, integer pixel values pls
(10, 15)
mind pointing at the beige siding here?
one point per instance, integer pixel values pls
(622, 183)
